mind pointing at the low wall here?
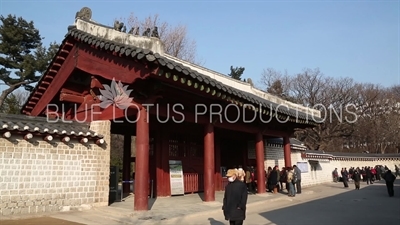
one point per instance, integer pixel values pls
(37, 176)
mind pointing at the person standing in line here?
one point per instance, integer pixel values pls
(273, 179)
(290, 183)
(297, 172)
(235, 199)
(369, 175)
(345, 177)
(378, 172)
(397, 170)
(282, 179)
(390, 178)
(335, 175)
(241, 173)
(249, 180)
(364, 173)
(357, 178)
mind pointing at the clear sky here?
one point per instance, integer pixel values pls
(357, 39)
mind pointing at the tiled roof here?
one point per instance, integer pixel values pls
(165, 63)
(351, 154)
(40, 125)
(295, 143)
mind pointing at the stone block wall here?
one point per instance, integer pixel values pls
(321, 171)
(273, 155)
(38, 176)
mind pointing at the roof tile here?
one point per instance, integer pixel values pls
(42, 125)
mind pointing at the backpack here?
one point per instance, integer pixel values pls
(294, 179)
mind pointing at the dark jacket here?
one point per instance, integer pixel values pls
(369, 174)
(235, 200)
(356, 176)
(298, 172)
(389, 177)
(273, 177)
(345, 175)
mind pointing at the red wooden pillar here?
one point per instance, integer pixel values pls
(218, 175)
(260, 163)
(209, 163)
(163, 182)
(286, 151)
(142, 162)
(126, 164)
(159, 170)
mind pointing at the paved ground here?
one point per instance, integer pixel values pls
(334, 205)
(323, 205)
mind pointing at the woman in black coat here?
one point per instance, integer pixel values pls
(235, 199)
(273, 179)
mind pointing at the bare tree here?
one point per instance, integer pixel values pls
(309, 87)
(357, 117)
(276, 83)
(379, 124)
(333, 98)
(395, 91)
(175, 38)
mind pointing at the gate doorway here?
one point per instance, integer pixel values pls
(233, 153)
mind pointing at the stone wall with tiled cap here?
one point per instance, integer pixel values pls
(43, 176)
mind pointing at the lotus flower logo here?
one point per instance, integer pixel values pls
(116, 94)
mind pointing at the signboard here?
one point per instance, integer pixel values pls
(303, 166)
(251, 150)
(176, 177)
(113, 191)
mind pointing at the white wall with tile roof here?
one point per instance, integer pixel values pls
(322, 171)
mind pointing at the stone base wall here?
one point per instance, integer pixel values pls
(38, 176)
(320, 172)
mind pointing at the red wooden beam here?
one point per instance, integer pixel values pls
(74, 89)
(163, 111)
(64, 97)
(58, 81)
(90, 110)
(95, 83)
(108, 66)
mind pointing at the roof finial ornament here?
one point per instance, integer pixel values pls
(134, 31)
(250, 82)
(118, 26)
(154, 33)
(146, 33)
(85, 13)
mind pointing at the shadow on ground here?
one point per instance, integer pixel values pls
(369, 206)
(215, 222)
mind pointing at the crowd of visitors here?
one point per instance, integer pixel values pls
(288, 179)
(367, 174)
